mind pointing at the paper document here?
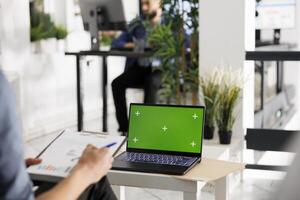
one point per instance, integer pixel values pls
(63, 153)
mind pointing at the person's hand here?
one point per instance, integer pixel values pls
(32, 161)
(129, 45)
(111, 34)
(94, 163)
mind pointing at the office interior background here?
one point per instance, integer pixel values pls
(44, 78)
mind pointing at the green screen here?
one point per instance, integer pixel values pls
(166, 128)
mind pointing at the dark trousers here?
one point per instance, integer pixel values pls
(99, 191)
(134, 77)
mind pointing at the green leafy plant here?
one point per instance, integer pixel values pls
(42, 27)
(106, 40)
(228, 98)
(164, 45)
(61, 32)
(179, 66)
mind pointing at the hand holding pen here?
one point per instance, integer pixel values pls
(107, 146)
(93, 164)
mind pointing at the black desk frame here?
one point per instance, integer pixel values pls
(104, 55)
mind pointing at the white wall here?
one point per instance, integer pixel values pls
(131, 9)
(14, 21)
(47, 87)
(45, 82)
(292, 73)
(1, 30)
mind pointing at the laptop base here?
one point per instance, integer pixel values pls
(151, 168)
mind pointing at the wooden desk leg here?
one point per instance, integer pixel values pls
(189, 196)
(119, 191)
(221, 189)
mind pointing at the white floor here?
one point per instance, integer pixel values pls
(256, 185)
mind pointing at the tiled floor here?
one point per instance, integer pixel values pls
(257, 185)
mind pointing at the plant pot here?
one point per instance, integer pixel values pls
(209, 132)
(60, 45)
(104, 48)
(49, 46)
(225, 137)
(36, 47)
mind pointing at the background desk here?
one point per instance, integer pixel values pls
(104, 55)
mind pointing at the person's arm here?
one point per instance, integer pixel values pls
(123, 41)
(92, 166)
(69, 188)
(129, 45)
(32, 161)
(14, 181)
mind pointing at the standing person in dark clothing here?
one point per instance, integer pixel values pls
(138, 73)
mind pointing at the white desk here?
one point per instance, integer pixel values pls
(190, 184)
(208, 171)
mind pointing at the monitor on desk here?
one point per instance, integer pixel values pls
(102, 15)
(275, 14)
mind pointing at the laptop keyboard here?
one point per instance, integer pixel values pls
(157, 159)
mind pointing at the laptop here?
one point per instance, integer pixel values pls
(163, 139)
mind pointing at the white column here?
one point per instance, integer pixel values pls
(226, 32)
(60, 12)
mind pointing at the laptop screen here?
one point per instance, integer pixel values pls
(166, 128)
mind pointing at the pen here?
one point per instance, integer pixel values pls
(110, 145)
(107, 146)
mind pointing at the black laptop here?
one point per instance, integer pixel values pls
(162, 139)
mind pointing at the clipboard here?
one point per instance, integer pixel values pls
(59, 156)
(83, 132)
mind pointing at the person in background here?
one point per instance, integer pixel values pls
(138, 73)
(14, 180)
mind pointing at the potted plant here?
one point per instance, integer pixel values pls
(179, 64)
(43, 32)
(106, 38)
(229, 95)
(61, 34)
(210, 87)
(41, 29)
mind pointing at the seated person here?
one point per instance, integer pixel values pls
(138, 73)
(14, 180)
